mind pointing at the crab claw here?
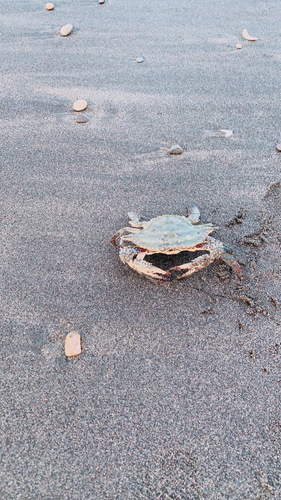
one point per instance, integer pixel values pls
(232, 262)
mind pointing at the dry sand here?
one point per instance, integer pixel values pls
(176, 394)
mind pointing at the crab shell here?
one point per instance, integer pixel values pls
(169, 234)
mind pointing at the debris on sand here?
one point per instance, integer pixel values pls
(226, 133)
(80, 105)
(66, 29)
(248, 37)
(72, 344)
(238, 46)
(49, 6)
(139, 59)
(82, 119)
(175, 150)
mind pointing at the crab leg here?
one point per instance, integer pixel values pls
(134, 258)
(217, 251)
(194, 214)
(120, 233)
(195, 265)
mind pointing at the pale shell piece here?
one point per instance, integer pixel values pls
(139, 59)
(248, 37)
(238, 46)
(80, 105)
(278, 147)
(101, 1)
(82, 119)
(175, 150)
(49, 6)
(226, 133)
(72, 344)
(66, 29)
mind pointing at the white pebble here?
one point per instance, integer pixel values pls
(49, 6)
(65, 30)
(175, 150)
(278, 147)
(139, 59)
(238, 46)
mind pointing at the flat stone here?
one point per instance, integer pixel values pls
(49, 6)
(175, 150)
(80, 105)
(72, 344)
(66, 29)
(238, 46)
(101, 1)
(82, 119)
(139, 59)
(278, 147)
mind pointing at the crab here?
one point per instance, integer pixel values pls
(170, 234)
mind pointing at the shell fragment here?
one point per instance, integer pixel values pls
(80, 105)
(278, 147)
(82, 119)
(49, 6)
(226, 133)
(139, 59)
(248, 37)
(175, 150)
(238, 46)
(66, 29)
(72, 344)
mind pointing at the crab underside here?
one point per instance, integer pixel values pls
(170, 235)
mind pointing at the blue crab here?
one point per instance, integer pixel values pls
(170, 234)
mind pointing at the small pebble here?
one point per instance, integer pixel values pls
(82, 119)
(238, 46)
(49, 6)
(139, 59)
(65, 30)
(80, 105)
(72, 344)
(101, 1)
(175, 150)
(278, 147)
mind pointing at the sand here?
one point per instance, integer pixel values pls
(176, 393)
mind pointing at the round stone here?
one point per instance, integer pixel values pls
(278, 147)
(139, 59)
(66, 29)
(238, 46)
(101, 1)
(80, 105)
(49, 6)
(175, 150)
(82, 119)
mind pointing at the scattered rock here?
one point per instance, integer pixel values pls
(139, 59)
(226, 133)
(101, 1)
(66, 29)
(278, 147)
(72, 344)
(175, 150)
(248, 37)
(80, 105)
(238, 46)
(49, 6)
(82, 119)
